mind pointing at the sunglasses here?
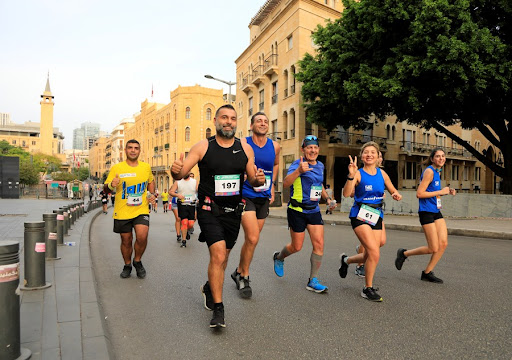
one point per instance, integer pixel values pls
(310, 140)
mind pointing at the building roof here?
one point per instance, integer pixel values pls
(264, 11)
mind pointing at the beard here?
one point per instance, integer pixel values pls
(228, 134)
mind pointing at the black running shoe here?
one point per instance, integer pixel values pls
(371, 294)
(218, 317)
(244, 288)
(183, 244)
(430, 277)
(236, 278)
(207, 296)
(344, 266)
(141, 272)
(178, 239)
(188, 236)
(400, 258)
(127, 270)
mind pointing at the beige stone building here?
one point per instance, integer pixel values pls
(280, 35)
(167, 130)
(98, 158)
(36, 137)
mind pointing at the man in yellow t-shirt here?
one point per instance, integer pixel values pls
(165, 199)
(134, 186)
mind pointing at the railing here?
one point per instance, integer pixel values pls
(270, 61)
(262, 105)
(285, 93)
(415, 147)
(167, 126)
(356, 140)
(322, 134)
(285, 135)
(275, 136)
(292, 89)
(292, 133)
(161, 128)
(257, 72)
(274, 99)
(250, 112)
(246, 81)
(156, 130)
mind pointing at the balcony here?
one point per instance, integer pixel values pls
(270, 65)
(161, 128)
(166, 126)
(246, 83)
(276, 136)
(353, 140)
(156, 130)
(292, 133)
(257, 75)
(414, 148)
(166, 146)
(158, 168)
(285, 93)
(250, 112)
(292, 89)
(274, 99)
(156, 149)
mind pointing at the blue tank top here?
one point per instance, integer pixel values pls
(370, 190)
(264, 158)
(430, 204)
(307, 188)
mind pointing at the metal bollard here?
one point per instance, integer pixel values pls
(60, 227)
(50, 236)
(10, 338)
(35, 248)
(75, 214)
(66, 220)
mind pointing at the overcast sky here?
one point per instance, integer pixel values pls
(104, 56)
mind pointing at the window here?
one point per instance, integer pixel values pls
(262, 100)
(455, 172)
(274, 129)
(23, 143)
(285, 124)
(465, 174)
(388, 132)
(14, 142)
(477, 174)
(292, 76)
(187, 134)
(289, 42)
(208, 132)
(393, 132)
(33, 142)
(292, 123)
(250, 106)
(208, 114)
(285, 74)
(410, 170)
(187, 113)
(274, 92)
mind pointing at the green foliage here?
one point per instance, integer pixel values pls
(81, 173)
(104, 177)
(432, 63)
(28, 174)
(63, 176)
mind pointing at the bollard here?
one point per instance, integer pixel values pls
(35, 248)
(60, 227)
(66, 220)
(50, 236)
(10, 302)
(75, 217)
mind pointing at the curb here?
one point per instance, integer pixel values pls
(417, 228)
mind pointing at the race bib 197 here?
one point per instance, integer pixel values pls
(227, 185)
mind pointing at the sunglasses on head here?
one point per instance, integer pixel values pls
(310, 140)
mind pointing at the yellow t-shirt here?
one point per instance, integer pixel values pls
(165, 196)
(131, 197)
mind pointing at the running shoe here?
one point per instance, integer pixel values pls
(178, 238)
(191, 230)
(278, 265)
(207, 296)
(370, 294)
(218, 317)
(344, 266)
(141, 272)
(360, 271)
(244, 288)
(314, 285)
(430, 277)
(400, 258)
(357, 249)
(183, 244)
(236, 278)
(188, 236)
(127, 270)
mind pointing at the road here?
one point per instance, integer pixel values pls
(162, 316)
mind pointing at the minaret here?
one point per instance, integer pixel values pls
(46, 126)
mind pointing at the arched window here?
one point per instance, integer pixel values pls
(187, 113)
(393, 131)
(208, 114)
(187, 134)
(388, 132)
(285, 125)
(208, 132)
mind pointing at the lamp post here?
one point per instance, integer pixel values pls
(229, 83)
(498, 162)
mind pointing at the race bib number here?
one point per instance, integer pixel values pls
(188, 199)
(368, 214)
(316, 193)
(266, 186)
(439, 206)
(227, 185)
(134, 200)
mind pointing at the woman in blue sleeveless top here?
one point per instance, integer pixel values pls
(429, 193)
(366, 214)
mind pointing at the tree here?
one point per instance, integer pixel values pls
(432, 63)
(28, 174)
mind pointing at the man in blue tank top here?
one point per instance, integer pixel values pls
(222, 159)
(257, 199)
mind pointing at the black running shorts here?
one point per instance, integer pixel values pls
(260, 205)
(427, 217)
(298, 221)
(126, 226)
(218, 228)
(186, 212)
(355, 222)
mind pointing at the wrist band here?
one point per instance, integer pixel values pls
(349, 178)
(110, 186)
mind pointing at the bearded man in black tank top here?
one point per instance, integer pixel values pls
(223, 159)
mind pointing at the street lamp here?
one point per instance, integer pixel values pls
(498, 162)
(229, 83)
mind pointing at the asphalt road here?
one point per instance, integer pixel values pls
(162, 316)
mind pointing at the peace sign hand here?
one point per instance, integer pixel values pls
(352, 166)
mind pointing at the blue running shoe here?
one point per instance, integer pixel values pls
(278, 265)
(314, 285)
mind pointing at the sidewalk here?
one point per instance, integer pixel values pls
(474, 227)
(64, 320)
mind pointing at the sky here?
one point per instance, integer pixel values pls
(104, 57)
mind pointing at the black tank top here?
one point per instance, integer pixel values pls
(222, 173)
